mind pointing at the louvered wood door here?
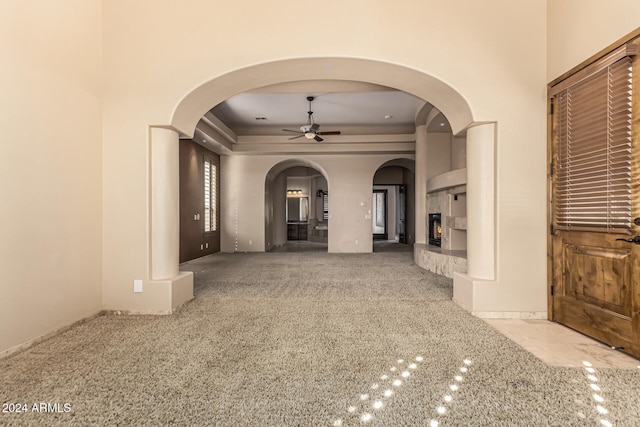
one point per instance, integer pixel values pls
(595, 187)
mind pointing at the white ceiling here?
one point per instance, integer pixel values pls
(350, 107)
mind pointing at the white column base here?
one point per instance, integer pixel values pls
(163, 296)
(463, 291)
(467, 291)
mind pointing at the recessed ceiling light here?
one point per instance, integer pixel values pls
(442, 124)
(388, 116)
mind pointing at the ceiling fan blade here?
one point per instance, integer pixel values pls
(295, 137)
(317, 138)
(314, 127)
(289, 130)
(332, 132)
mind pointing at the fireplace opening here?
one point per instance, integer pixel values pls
(435, 229)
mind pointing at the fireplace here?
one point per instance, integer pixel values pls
(435, 229)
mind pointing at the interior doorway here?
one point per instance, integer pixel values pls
(296, 207)
(393, 202)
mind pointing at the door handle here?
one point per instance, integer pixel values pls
(635, 240)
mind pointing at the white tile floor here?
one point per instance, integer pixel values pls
(557, 345)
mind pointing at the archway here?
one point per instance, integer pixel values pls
(296, 202)
(195, 104)
(480, 138)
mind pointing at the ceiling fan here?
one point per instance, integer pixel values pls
(310, 130)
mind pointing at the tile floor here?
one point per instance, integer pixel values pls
(557, 345)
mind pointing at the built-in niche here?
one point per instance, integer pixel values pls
(457, 220)
(447, 207)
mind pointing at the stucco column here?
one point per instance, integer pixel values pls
(481, 195)
(421, 185)
(165, 204)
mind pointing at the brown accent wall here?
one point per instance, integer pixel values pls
(194, 243)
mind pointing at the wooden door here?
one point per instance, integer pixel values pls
(594, 214)
(596, 288)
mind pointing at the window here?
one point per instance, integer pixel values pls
(210, 196)
(592, 161)
(325, 206)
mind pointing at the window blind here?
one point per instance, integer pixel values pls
(592, 167)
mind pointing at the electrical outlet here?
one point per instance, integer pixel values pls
(137, 286)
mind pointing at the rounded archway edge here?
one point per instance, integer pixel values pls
(292, 162)
(195, 104)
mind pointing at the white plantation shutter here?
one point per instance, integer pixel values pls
(210, 200)
(325, 206)
(592, 165)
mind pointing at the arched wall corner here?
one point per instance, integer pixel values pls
(445, 98)
(405, 162)
(482, 225)
(167, 287)
(293, 162)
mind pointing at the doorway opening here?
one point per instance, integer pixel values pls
(393, 204)
(296, 208)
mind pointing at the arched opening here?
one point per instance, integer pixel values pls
(481, 164)
(195, 104)
(296, 207)
(393, 206)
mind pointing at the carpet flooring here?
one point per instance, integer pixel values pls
(306, 339)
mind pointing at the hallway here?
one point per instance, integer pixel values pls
(308, 338)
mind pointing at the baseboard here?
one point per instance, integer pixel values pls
(139, 312)
(28, 344)
(535, 315)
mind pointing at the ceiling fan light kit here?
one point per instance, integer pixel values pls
(310, 130)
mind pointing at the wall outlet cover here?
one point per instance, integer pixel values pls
(137, 286)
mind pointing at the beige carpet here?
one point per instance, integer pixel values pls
(306, 339)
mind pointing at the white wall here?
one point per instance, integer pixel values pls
(50, 166)
(350, 179)
(148, 73)
(439, 149)
(459, 152)
(579, 29)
